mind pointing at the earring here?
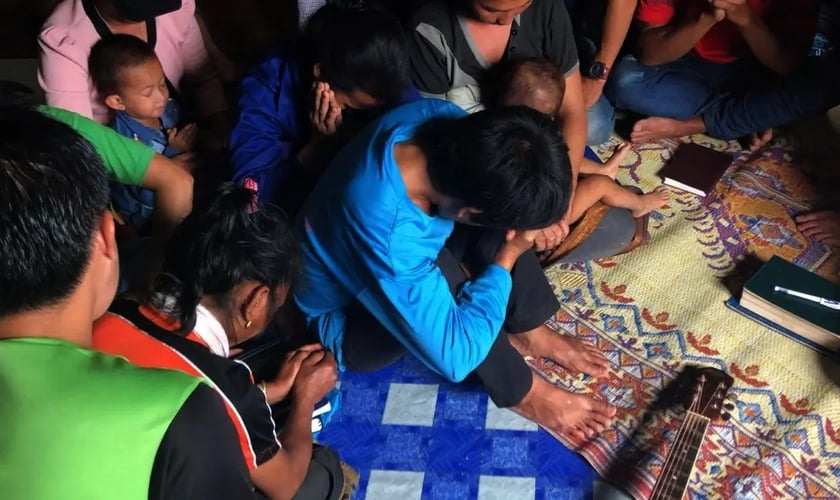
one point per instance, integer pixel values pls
(248, 324)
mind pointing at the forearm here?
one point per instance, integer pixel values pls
(574, 133)
(616, 24)
(767, 49)
(297, 443)
(664, 44)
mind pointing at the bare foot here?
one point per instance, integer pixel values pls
(610, 168)
(760, 139)
(821, 226)
(577, 416)
(655, 127)
(568, 352)
(657, 198)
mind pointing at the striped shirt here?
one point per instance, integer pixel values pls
(145, 337)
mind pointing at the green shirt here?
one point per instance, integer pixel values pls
(126, 160)
(79, 424)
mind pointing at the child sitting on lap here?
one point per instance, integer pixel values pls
(130, 81)
(539, 84)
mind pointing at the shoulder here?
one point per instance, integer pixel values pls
(68, 28)
(182, 17)
(437, 14)
(545, 11)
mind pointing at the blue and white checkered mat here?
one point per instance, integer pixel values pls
(412, 435)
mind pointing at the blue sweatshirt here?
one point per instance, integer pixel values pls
(363, 239)
(272, 126)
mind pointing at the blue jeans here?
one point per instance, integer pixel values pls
(600, 118)
(134, 205)
(733, 100)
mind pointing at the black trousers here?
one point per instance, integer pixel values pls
(506, 377)
(325, 479)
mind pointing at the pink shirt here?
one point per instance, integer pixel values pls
(68, 35)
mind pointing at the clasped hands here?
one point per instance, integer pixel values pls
(738, 12)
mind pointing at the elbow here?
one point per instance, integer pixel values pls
(182, 188)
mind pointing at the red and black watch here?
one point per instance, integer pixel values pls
(598, 71)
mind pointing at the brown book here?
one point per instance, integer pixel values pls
(695, 168)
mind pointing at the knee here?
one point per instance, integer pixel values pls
(625, 78)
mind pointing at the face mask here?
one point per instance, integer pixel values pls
(140, 10)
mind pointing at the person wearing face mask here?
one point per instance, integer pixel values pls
(227, 271)
(79, 423)
(169, 26)
(299, 105)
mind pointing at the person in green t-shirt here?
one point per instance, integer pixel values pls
(79, 423)
(133, 163)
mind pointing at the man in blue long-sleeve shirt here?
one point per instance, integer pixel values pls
(401, 206)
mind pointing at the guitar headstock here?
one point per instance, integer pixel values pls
(709, 388)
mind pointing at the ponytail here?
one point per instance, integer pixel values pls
(233, 241)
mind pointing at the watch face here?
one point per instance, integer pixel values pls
(598, 70)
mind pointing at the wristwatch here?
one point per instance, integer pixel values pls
(598, 71)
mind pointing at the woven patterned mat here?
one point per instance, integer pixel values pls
(661, 307)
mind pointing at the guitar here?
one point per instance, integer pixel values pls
(706, 403)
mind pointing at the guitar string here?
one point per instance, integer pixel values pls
(677, 450)
(696, 427)
(669, 460)
(699, 422)
(692, 423)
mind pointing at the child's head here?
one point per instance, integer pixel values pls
(128, 76)
(535, 82)
(360, 51)
(239, 255)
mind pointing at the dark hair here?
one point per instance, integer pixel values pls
(358, 46)
(508, 162)
(54, 191)
(212, 251)
(519, 79)
(113, 54)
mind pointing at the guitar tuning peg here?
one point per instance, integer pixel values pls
(729, 406)
(725, 416)
(732, 397)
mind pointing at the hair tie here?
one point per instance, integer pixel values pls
(252, 185)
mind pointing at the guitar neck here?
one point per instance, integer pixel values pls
(676, 472)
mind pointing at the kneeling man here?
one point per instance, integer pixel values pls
(418, 238)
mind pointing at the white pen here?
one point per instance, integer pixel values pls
(831, 304)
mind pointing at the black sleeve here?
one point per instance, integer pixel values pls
(249, 401)
(560, 39)
(429, 70)
(199, 457)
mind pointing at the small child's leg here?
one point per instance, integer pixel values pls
(590, 189)
(593, 188)
(610, 167)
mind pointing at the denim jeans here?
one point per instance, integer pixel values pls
(600, 117)
(734, 99)
(134, 205)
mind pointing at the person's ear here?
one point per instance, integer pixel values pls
(254, 306)
(115, 102)
(316, 71)
(106, 235)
